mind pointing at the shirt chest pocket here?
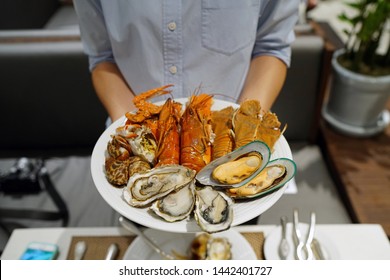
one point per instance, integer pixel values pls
(228, 26)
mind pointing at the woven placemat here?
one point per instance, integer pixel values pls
(256, 239)
(97, 245)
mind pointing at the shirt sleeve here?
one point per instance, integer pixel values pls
(94, 35)
(275, 30)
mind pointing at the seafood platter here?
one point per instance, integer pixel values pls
(194, 164)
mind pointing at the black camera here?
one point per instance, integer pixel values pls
(22, 178)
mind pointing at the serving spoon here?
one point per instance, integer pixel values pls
(134, 229)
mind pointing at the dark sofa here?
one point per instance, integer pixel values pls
(47, 103)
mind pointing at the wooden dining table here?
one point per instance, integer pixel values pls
(360, 167)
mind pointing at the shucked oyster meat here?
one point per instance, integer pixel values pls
(145, 188)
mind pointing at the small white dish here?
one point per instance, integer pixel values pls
(180, 243)
(272, 241)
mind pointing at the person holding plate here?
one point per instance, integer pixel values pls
(236, 50)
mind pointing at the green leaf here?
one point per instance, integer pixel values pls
(346, 32)
(355, 5)
(345, 18)
(366, 27)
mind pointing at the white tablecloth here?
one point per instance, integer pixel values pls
(353, 241)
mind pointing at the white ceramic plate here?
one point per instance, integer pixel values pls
(180, 243)
(272, 241)
(242, 211)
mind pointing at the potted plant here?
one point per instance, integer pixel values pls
(360, 84)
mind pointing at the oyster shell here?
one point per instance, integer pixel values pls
(144, 188)
(177, 205)
(205, 177)
(275, 175)
(213, 209)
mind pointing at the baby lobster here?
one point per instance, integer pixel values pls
(147, 109)
(168, 150)
(196, 132)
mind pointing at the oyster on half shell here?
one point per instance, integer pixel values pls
(252, 150)
(219, 249)
(177, 205)
(206, 247)
(213, 209)
(144, 188)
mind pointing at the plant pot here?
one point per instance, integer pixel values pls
(357, 103)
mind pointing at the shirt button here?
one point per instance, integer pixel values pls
(172, 26)
(173, 69)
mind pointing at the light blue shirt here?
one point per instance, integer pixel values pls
(207, 43)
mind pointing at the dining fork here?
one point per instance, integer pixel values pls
(310, 236)
(297, 236)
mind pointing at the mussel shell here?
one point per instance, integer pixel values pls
(204, 176)
(291, 169)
